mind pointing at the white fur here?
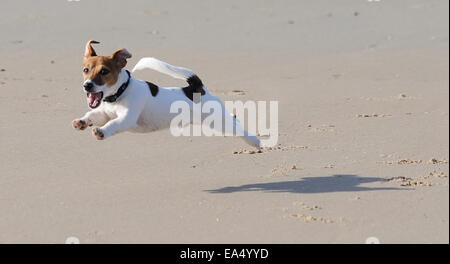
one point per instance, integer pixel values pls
(162, 67)
(136, 110)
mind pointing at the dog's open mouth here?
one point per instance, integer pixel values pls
(94, 99)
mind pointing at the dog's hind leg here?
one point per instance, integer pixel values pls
(248, 137)
(232, 127)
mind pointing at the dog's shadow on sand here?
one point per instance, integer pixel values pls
(326, 184)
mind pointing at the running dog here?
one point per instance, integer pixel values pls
(120, 102)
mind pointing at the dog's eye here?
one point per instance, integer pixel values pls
(85, 70)
(104, 71)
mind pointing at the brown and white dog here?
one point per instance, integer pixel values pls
(121, 103)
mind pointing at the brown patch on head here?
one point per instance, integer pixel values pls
(103, 69)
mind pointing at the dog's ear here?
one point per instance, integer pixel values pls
(121, 57)
(89, 51)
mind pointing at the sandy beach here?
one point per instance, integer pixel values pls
(362, 88)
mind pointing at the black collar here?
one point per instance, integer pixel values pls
(122, 88)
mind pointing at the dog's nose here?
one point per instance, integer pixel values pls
(88, 86)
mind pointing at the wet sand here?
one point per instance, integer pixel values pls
(363, 124)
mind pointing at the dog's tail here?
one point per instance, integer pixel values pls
(162, 67)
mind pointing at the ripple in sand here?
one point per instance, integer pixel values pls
(269, 149)
(433, 174)
(373, 115)
(405, 181)
(310, 218)
(436, 161)
(402, 162)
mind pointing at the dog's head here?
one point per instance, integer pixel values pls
(101, 73)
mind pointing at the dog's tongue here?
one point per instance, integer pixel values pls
(94, 99)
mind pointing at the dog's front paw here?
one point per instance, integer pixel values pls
(98, 133)
(79, 124)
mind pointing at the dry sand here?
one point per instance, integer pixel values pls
(363, 111)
